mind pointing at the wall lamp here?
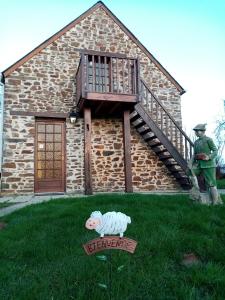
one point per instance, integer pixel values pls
(73, 115)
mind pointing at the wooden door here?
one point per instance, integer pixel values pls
(98, 74)
(50, 156)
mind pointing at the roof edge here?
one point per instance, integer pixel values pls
(48, 41)
(144, 49)
(55, 36)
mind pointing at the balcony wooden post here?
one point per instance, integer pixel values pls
(134, 76)
(93, 73)
(111, 83)
(83, 75)
(128, 77)
(87, 151)
(105, 77)
(127, 152)
(138, 79)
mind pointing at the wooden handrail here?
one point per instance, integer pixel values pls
(165, 122)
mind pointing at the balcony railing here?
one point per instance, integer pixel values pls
(107, 74)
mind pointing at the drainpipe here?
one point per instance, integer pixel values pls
(2, 81)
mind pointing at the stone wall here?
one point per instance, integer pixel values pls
(75, 157)
(148, 171)
(46, 83)
(18, 163)
(107, 156)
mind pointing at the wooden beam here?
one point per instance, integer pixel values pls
(44, 114)
(101, 53)
(87, 151)
(127, 152)
(112, 97)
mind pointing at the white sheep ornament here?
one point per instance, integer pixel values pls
(110, 223)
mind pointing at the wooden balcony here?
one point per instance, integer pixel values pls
(108, 83)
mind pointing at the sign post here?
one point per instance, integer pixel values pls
(110, 224)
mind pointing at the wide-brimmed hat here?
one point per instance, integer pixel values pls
(201, 127)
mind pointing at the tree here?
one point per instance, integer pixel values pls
(220, 139)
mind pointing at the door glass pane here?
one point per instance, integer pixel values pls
(49, 164)
(41, 155)
(49, 173)
(58, 137)
(41, 146)
(49, 137)
(49, 156)
(41, 128)
(57, 164)
(57, 173)
(58, 155)
(41, 164)
(49, 128)
(49, 146)
(58, 146)
(41, 174)
(41, 137)
(58, 128)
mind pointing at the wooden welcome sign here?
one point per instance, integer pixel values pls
(110, 223)
(110, 242)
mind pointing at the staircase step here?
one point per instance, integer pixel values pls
(134, 116)
(165, 156)
(149, 136)
(159, 149)
(144, 129)
(138, 123)
(174, 168)
(181, 176)
(170, 162)
(154, 143)
(177, 175)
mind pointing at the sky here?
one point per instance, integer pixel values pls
(186, 37)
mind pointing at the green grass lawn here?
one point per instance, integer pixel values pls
(41, 254)
(221, 183)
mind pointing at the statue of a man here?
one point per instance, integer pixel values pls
(203, 163)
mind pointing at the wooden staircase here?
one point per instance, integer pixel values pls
(162, 134)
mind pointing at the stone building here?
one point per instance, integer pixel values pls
(127, 135)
